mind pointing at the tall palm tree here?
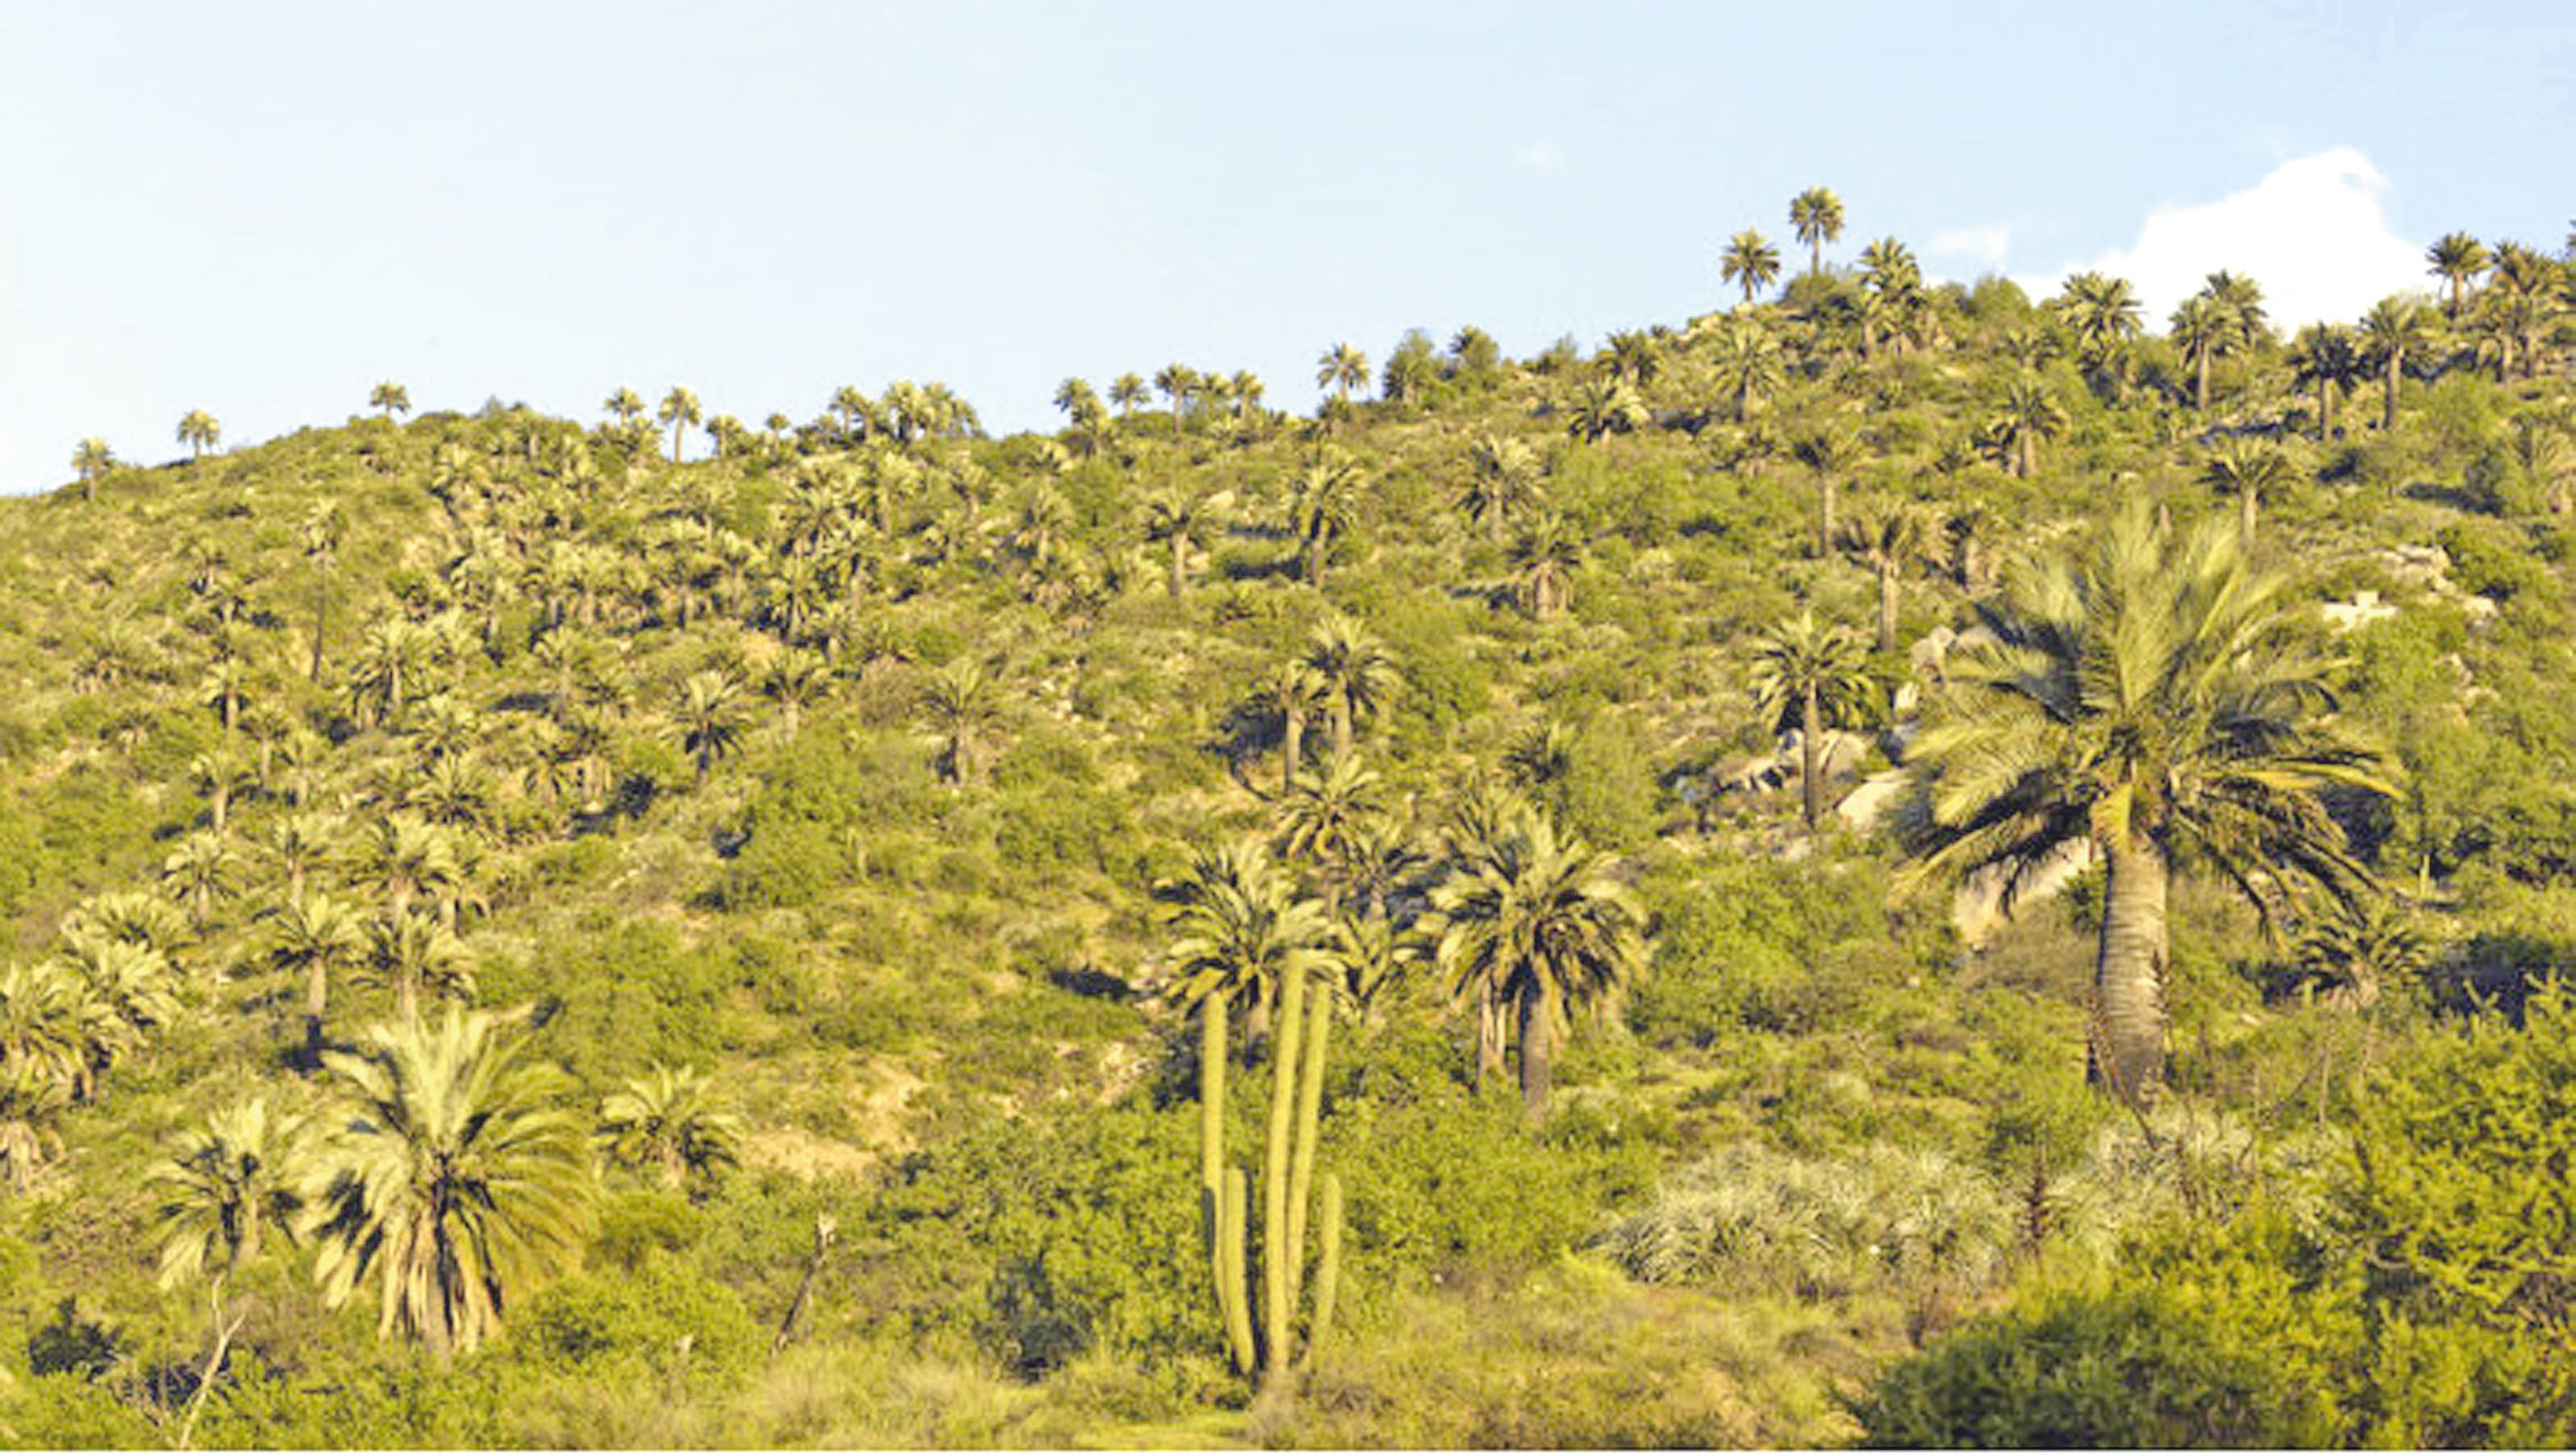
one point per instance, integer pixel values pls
(1816, 216)
(963, 703)
(1244, 931)
(2247, 468)
(319, 535)
(1176, 521)
(625, 404)
(672, 1120)
(1356, 672)
(201, 872)
(2143, 695)
(319, 938)
(413, 953)
(457, 1177)
(1811, 677)
(1502, 481)
(1323, 506)
(1128, 391)
(2323, 356)
(390, 397)
(200, 432)
(2199, 328)
(2457, 259)
(1885, 538)
(1747, 362)
(1751, 263)
(90, 462)
(2101, 314)
(709, 718)
(1296, 693)
(1539, 924)
(1831, 453)
(2025, 416)
(682, 412)
(227, 1184)
(2394, 328)
(1180, 384)
(1543, 561)
(1342, 369)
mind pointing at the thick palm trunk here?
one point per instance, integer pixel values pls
(1887, 591)
(2129, 972)
(2200, 386)
(1538, 1055)
(2325, 408)
(1292, 747)
(1824, 516)
(1342, 728)
(1180, 566)
(2247, 502)
(2388, 413)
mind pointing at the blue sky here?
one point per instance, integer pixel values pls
(260, 209)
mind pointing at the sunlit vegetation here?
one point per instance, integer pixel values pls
(1884, 862)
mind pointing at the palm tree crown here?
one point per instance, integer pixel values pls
(1751, 263)
(1816, 215)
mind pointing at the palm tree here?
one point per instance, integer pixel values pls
(1295, 692)
(1544, 561)
(1751, 263)
(1176, 521)
(1830, 452)
(1605, 406)
(2101, 314)
(1502, 481)
(92, 460)
(681, 411)
(1323, 506)
(626, 404)
(1325, 814)
(319, 535)
(2457, 259)
(2025, 416)
(963, 703)
(1179, 384)
(53, 1029)
(709, 718)
(1540, 924)
(1885, 538)
(2143, 695)
(2392, 329)
(2199, 329)
(1127, 391)
(1244, 931)
(199, 873)
(318, 937)
(2246, 468)
(390, 397)
(200, 432)
(29, 1105)
(1816, 216)
(1356, 673)
(221, 1191)
(795, 679)
(2324, 357)
(1811, 677)
(415, 952)
(1342, 369)
(671, 1119)
(409, 857)
(456, 1178)
(1747, 362)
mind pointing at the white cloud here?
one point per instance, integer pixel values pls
(2311, 233)
(1985, 246)
(1540, 156)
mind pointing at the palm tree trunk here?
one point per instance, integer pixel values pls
(1342, 727)
(2246, 499)
(1811, 787)
(2325, 407)
(1180, 546)
(2200, 386)
(321, 618)
(2025, 454)
(2128, 1050)
(1489, 1036)
(1824, 515)
(1538, 1054)
(1291, 747)
(1887, 589)
(2388, 414)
